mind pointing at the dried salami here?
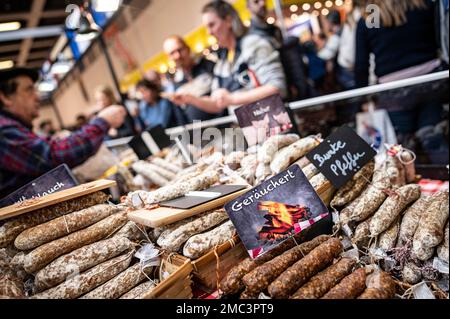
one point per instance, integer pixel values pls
(61, 226)
(199, 245)
(392, 207)
(43, 255)
(350, 287)
(321, 283)
(13, 227)
(173, 239)
(262, 276)
(79, 260)
(300, 272)
(87, 281)
(120, 284)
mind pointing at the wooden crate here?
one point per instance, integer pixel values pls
(179, 283)
(211, 268)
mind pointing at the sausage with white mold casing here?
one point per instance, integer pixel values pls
(310, 171)
(442, 250)
(273, 144)
(144, 169)
(408, 163)
(14, 226)
(410, 220)
(300, 272)
(61, 226)
(411, 273)
(395, 171)
(354, 187)
(388, 238)
(291, 153)
(172, 240)
(199, 245)
(133, 232)
(120, 284)
(140, 291)
(430, 231)
(392, 208)
(361, 237)
(43, 255)
(139, 199)
(80, 260)
(371, 199)
(166, 165)
(87, 281)
(318, 181)
(233, 160)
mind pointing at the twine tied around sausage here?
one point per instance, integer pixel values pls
(232, 243)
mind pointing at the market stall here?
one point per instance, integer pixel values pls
(375, 231)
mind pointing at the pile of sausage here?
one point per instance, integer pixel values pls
(81, 248)
(195, 236)
(311, 270)
(392, 218)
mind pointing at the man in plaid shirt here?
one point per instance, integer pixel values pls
(23, 154)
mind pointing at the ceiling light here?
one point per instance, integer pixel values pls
(317, 5)
(9, 26)
(329, 4)
(163, 68)
(46, 87)
(106, 5)
(325, 12)
(293, 8)
(6, 64)
(270, 20)
(339, 3)
(199, 47)
(294, 17)
(306, 6)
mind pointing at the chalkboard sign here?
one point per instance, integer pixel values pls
(341, 156)
(150, 142)
(56, 180)
(263, 119)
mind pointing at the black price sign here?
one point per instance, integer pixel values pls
(341, 156)
(150, 142)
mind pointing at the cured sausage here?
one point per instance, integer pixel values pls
(321, 283)
(43, 255)
(299, 273)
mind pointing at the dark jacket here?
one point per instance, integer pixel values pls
(396, 48)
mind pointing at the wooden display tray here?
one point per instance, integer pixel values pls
(164, 215)
(55, 198)
(179, 283)
(210, 270)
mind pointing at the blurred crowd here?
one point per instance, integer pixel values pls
(356, 46)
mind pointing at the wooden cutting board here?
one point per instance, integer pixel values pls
(55, 198)
(164, 215)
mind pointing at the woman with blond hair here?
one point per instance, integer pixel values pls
(404, 46)
(248, 67)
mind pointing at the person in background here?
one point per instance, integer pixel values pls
(46, 129)
(329, 45)
(443, 14)
(193, 75)
(104, 97)
(24, 155)
(248, 68)
(154, 110)
(80, 121)
(259, 25)
(404, 46)
(345, 72)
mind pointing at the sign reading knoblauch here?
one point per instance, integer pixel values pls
(340, 156)
(56, 180)
(274, 211)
